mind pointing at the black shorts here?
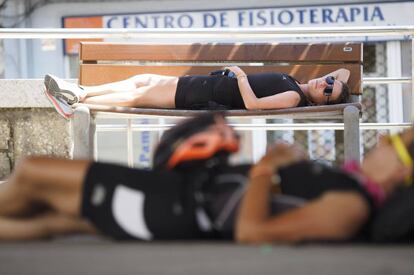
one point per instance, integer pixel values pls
(193, 92)
(125, 203)
(207, 92)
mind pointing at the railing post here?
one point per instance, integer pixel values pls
(351, 133)
(412, 76)
(83, 130)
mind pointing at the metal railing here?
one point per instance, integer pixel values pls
(235, 35)
(130, 127)
(211, 33)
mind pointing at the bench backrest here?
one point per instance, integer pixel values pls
(103, 62)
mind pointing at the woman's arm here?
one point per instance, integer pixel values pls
(336, 215)
(283, 100)
(333, 216)
(340, 74)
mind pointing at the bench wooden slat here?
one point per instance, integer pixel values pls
(93, 51)
(312, 112)
(94, 74)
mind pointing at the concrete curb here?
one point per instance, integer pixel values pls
(23, 93)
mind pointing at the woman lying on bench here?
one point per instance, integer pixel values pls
(192, 193)
(226, 89)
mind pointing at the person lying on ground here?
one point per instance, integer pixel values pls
(193, 193)
(235, 90)
(341, 204)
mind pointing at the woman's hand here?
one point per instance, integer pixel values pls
(340, 74)
(255, 223)
(282, 154)
(237, 71)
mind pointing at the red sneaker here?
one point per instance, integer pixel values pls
(60, 104)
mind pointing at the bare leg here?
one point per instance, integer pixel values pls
(158, 95)
(109, 88)
(54, 183)
(128, 85)
(46, 225)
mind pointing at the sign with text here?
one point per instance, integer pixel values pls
(72, 45)
(269, 17)
(380, 14)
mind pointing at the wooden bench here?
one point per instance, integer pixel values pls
(102, 62)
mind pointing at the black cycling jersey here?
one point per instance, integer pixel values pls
(126, 203)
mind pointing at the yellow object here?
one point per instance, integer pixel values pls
(403, 155)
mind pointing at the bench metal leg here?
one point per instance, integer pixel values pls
(351, 133)
(83, 130)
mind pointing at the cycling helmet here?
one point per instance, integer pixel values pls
(196, 141)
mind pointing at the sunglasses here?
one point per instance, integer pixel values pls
(330, 80)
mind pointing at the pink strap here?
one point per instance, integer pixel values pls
(374, 190)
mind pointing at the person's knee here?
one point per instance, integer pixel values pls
(141, 80)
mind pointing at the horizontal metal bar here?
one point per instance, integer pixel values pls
(261, 126)
(335, 114)
(156, 33)
(385, 80)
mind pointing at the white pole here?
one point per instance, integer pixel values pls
(395, 98)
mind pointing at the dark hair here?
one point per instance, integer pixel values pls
(343, 96)
(410, 149)
(178, 134)
(410, 144)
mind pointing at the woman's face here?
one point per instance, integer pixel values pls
(317, 87)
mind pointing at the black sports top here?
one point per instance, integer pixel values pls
(309, 180)
(205, 92)
(299, 182)
(191, 205)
